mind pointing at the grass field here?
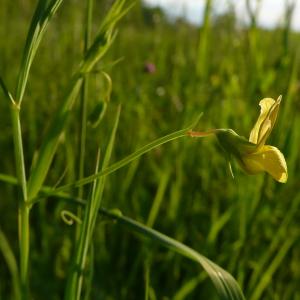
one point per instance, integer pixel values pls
(96, 101)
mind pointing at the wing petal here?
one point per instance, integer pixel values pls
(268, 159)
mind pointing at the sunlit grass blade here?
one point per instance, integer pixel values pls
(143, 150)
(23, 208)
(105, 37)
(75, 281)
(47, 151)
(225, 284)
(51, 140)
(6, 92)
(37, 27)
(43, 13)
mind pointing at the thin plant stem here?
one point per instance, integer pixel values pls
(75, 279)
(42, 15)
(23, 213)
(131, 157)
(83, 105)
(84, 95)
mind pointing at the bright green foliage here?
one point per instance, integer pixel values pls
(81, 60)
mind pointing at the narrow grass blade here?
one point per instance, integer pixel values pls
(46, 154)
(188, 287)
(225, 284)
(18, 147)
(43, 13)
(8, 179)
(163, 182)
(277, 241)
(47, 191)
(6, 91)
(267, 275)
(145, 149)
(218, 225)
(105, 37)
(47, 151)
(74, 286)
(84, 95)
(11, 263)
(23, 213)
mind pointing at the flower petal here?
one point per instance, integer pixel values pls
(268, 159)
(266, 121)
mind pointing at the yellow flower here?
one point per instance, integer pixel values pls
(254, 156)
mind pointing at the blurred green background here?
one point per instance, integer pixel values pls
(164, 73)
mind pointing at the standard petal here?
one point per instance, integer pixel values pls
(266, 121)
(268, 159)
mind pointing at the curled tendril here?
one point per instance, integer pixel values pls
(69, 218)
(99, 110)
(109, 86)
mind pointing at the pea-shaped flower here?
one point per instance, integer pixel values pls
(254, 156)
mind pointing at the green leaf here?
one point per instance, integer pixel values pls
(145, 149)
(48, 149)
(39, 23)
(226, 286)
(74, 285)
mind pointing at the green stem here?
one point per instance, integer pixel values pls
(76, 282)
(91, 211)
(84, 96)
(23, 214)
(24, 248)
(123, 162)
(83, 108)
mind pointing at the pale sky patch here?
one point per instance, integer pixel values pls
(271, 12)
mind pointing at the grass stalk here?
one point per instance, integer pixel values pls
(83, 105)
(40, 20)
(84, 95)
(96, 51)
(75, 280)
(23, 214)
